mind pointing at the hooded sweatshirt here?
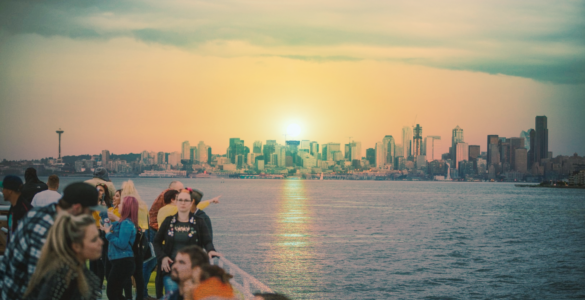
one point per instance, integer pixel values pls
(32, 185)
(100, 175)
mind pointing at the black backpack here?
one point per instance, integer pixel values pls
(140, 246)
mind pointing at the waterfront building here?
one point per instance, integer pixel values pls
(282, 157)
(209, 155)
(389, 148)
(531, 160)
(417, 142)
(185, 150)
(324, 151)
(461, 153)
(174, 159)
(398, 150)
(407, 141)
(236, 147)
(356, 151)
(201, 152)
(257, 148)
(259, 164)
(332, 147)
(431, 146)
(271, 142)
(371, 156)
(160, 158)
(400, 163)
(305, 145)
(480, 166)
(105, 157)
(504, 149)
(515, 143)
(541, 141)
(421, 162)
(466, 169)
(456, 137)
(437, 167)
(192, 154)
(526, 136)
(474, 152)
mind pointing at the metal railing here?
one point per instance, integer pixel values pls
(243, 282)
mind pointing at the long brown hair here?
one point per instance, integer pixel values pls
(58, 251)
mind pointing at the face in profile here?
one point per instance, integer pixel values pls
(92, 245)
(116, 199)
(181, 269)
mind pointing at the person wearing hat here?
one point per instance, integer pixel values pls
(11, 188)
(100, 176)
(21, 255)
(178, 231)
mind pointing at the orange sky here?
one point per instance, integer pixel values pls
(128, 94)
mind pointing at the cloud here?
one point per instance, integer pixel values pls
(542, 40)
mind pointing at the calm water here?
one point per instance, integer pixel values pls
(398, 240)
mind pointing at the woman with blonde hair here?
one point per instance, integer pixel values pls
(61, 271)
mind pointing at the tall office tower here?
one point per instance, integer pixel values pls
(282, 157)
(233, 148)
(541, 142)
(105, 157)
(160, 158)
(492, 147)
(504, 149)
(515, 143)
(347, 152)
(407, 141)
(192, 154)
(202, 152)
(474, 152)
(456, 137)
(390, 147)
(185, 150)
(461, 153)
(314, 149)
(209, 156)
(532, 135)
(431, 147)
(356, 151)
(306, 145)
(270, 142)
(174, 158)
(257, 147)
(332, 147)
(267, 152)
(380, 155)
(143, 157)
(417, 142)
(371, 156)
(398, 150)
(520, 160)
(526, 136)
(324, 155)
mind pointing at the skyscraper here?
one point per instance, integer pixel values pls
(314, 149)
(417, 141)
(431, 146)
(461, 153)
(257, 147)
(474, 152)
(492, 149)
(356, 151)
(380, 155)
(456, 137)
(192, 154)
(541, 143)
(236, 148)
(202, 152)
(371, 156)
(407, 141)
(105, 157)
(186, 150)
(390, 148)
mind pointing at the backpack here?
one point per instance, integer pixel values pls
(140, 247)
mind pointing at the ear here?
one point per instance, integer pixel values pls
(77, 247)
(196, 275)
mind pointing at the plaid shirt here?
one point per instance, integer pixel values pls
(24, 250)
(156, 206)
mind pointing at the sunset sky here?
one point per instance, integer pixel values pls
(147, 75)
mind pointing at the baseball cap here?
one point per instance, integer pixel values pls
(84, 194)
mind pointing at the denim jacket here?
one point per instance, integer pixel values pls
(121, 238)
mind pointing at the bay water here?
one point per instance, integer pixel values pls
(313, 239)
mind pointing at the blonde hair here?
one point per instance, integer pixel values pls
(58, 251)
(128, 189)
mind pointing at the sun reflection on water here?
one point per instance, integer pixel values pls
(293, 252)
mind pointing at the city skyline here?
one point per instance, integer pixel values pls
(142, 76)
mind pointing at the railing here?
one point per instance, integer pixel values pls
(245, 283)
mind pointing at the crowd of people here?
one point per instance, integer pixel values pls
(94, 239)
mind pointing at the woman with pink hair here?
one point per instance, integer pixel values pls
(121, 236)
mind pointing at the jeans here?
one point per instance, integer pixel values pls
(122, 270)
(150, 264)
(170, 285)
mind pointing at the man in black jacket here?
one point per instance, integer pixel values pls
(11, 186)
(32, 185)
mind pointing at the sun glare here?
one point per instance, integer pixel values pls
(293, 130)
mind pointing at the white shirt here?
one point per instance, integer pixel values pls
(45, 198)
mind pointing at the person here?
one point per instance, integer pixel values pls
(100, 175)
(61, 272)
(170, 207)
(188, 261)
(32, 185)
(199, 211)
(150, 265)
(11, 187)
(49, 196)
(180, 230)
(121, 235)
(270, 296)
(211, 282)
(101, 266)
(20, 259)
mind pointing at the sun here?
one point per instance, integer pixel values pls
(293, 130)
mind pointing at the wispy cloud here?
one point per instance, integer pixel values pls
(542, 40)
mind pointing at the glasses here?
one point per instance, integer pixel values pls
(183, 200)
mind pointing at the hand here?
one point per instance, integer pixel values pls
(166, 264)
(112, 216)
(215, 200)
(106, 229)
(213, 254)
